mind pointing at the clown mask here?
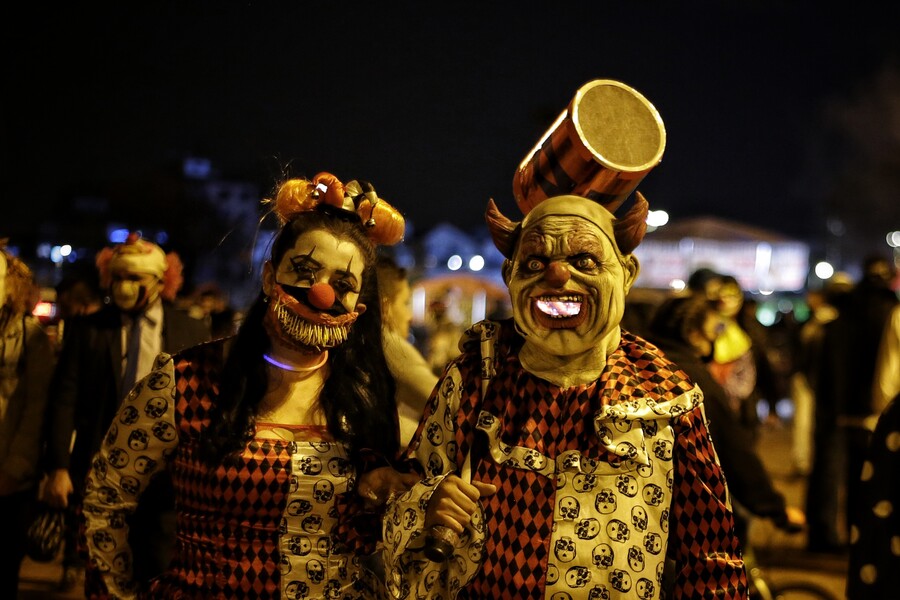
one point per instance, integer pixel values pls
(567, 280)
(314, 292)
(134, 292)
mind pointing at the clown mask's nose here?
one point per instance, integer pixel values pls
(321, 295)
(557, 274)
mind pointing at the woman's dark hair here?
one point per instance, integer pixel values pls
(358, 396)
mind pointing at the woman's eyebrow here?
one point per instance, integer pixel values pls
(304, 258)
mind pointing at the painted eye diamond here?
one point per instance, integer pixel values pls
(559, 306)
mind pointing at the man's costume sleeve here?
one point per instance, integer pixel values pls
(435, 447)
(708, 559)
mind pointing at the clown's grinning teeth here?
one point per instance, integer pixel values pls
(559, 307)
(310, 334)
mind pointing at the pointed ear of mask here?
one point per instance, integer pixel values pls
(503, 232)
(632, 270)
(506, 271)
(630, 229)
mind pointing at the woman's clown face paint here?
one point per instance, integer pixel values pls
(567, 285)
(314, 291)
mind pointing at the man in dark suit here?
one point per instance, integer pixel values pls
(102, 356)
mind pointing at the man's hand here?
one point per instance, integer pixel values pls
(58, 488)
(380, 486)
(454, 502)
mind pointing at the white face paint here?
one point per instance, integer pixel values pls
(320, 257)
(317, 258)
(133, 292)
(567, 285)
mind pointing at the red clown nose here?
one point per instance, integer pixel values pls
(321, 295)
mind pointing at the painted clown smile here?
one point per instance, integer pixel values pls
(559, 312)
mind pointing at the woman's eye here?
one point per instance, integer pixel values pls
(341, 286)
(304, 273)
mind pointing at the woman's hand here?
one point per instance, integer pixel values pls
(454, 502)
(380, 486)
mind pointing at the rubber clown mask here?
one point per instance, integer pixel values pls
(136, 270)
(568, 279)
(314, 292)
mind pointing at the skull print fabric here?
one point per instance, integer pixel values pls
(263, 525)
(590, 479)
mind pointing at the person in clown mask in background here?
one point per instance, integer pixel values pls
(559, 455)
(102, 356)
(276, 438)
(26, 363)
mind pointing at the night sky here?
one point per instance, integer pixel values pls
(778, 114)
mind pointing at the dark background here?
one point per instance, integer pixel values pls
(784, 115)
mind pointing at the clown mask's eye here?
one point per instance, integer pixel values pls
(534, 265)
(584, 262)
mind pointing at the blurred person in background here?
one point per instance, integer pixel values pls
(76, 296)
(886, 381)
(414, 377)
(102, 355)
(705, 282)
(808, 360)
(640, 304)
(442, 338)
(26, 365)
(844, 408)
(741, 363)
(209, 302)
(273, 438)
(687, 330)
